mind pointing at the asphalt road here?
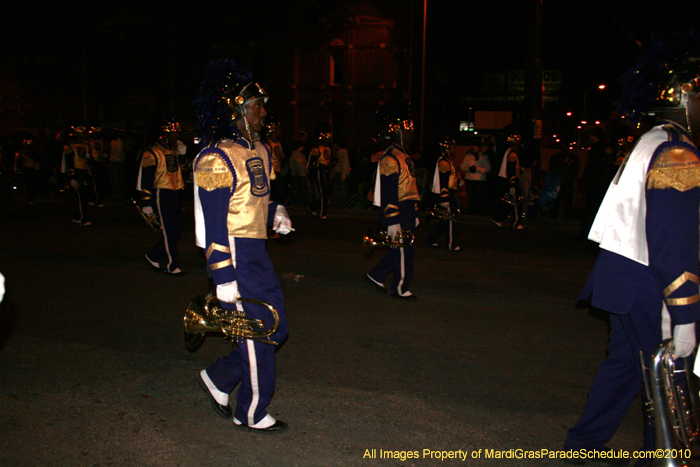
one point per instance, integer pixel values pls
(494, 355)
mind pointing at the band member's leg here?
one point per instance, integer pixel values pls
(404, 270)
(258, 280)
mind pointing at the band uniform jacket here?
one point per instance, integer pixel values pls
(236, 179)
(160, 169)
(445, 180)
(396, 190)
(75, 158)
(647, 227)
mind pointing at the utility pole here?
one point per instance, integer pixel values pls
(422, 80)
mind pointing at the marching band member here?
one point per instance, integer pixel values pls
(445, 187)
(509, 176)
(396, 193)
(160, 183)
(646, 275)
(100, 180)
(76, 166)
(322, 161)
(232, 212)
(280, 164)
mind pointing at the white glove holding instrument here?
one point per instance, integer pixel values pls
(684, 339)
(181, 148)
(147, 210)
(228, 292)
(282, 223)
(392, 229)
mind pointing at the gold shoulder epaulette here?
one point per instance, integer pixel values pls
(444, 166)
(212, 173)
(388, 164)
(148, 159)
(675, 167)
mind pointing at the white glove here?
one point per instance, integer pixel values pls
(147, 210)
(181, 148)
(282, 223)
(392, 229)
(74, 183)
(684, 339)
(228, 292)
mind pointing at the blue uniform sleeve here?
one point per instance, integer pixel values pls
(444, 169)
(148, 175)
(389, 181)
(271, 209)
(672, 237)
(68, 163)
(218, 251)
(215, 179)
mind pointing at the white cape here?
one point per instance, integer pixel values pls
(620, 225)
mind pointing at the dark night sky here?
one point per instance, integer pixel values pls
(591, 41)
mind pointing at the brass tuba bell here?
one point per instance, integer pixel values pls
(674, 409)
(401, 239)
(205, 315)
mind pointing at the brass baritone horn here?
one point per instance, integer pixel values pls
(444, 214)
(152, 220)
(402, 239)
(205, 315)
(512, 199)
(674, 409)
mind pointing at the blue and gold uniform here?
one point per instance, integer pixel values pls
(232, 213)
(160, 182)
(646, 275)
(321, 164)
(396, 194)
(76, 166)
(445, 187)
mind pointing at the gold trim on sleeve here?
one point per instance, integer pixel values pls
(220, 264)
(212, 173)
(676, 168)
(148, 159)
(391, 206)
(682, 301)
(210, 181)
(216, 247)
(444, 167)
(389, 168)
(675, 285)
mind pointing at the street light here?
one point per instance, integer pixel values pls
(567, 114)
(585, 94)
(583, 115)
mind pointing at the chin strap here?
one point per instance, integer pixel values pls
(247, 129)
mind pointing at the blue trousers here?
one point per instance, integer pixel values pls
(618, 380)
(168, 206)
(447, 228)
(399, 262)
(251, 363)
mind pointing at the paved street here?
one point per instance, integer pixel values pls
(94, 372)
